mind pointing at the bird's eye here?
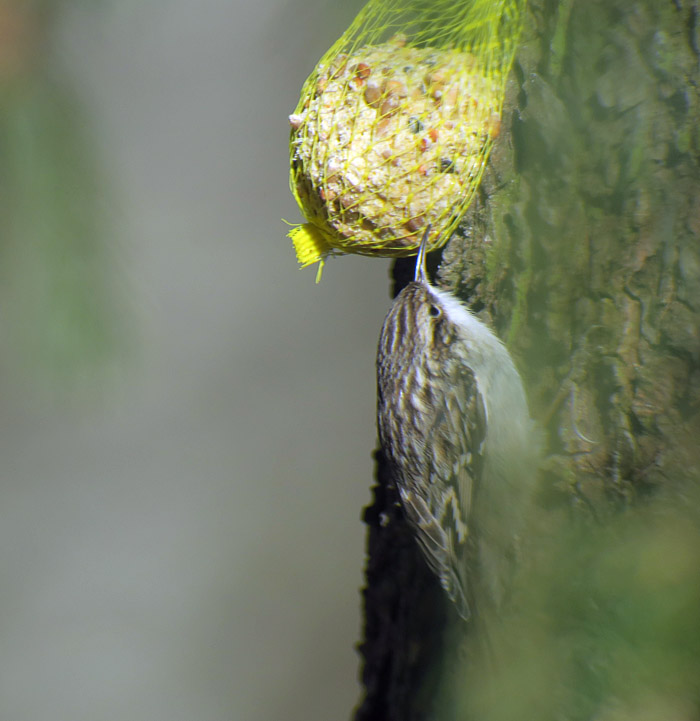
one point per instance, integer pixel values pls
(435, 311)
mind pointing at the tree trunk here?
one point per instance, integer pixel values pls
(582, 252)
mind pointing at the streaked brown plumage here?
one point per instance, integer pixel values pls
(454, 423)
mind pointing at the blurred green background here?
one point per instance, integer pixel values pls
(187, 420)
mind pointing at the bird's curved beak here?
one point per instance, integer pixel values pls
(421, 275)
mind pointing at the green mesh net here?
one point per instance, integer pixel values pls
(395, 124)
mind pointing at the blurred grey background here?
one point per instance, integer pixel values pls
(184, 540)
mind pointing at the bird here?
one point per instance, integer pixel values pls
(454, 423)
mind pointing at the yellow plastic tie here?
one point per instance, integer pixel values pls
(311, 246)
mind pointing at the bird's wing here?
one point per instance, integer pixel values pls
(438, 503)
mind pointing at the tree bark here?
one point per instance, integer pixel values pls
(582, 251)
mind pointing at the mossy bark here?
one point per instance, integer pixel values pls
(582, 250)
